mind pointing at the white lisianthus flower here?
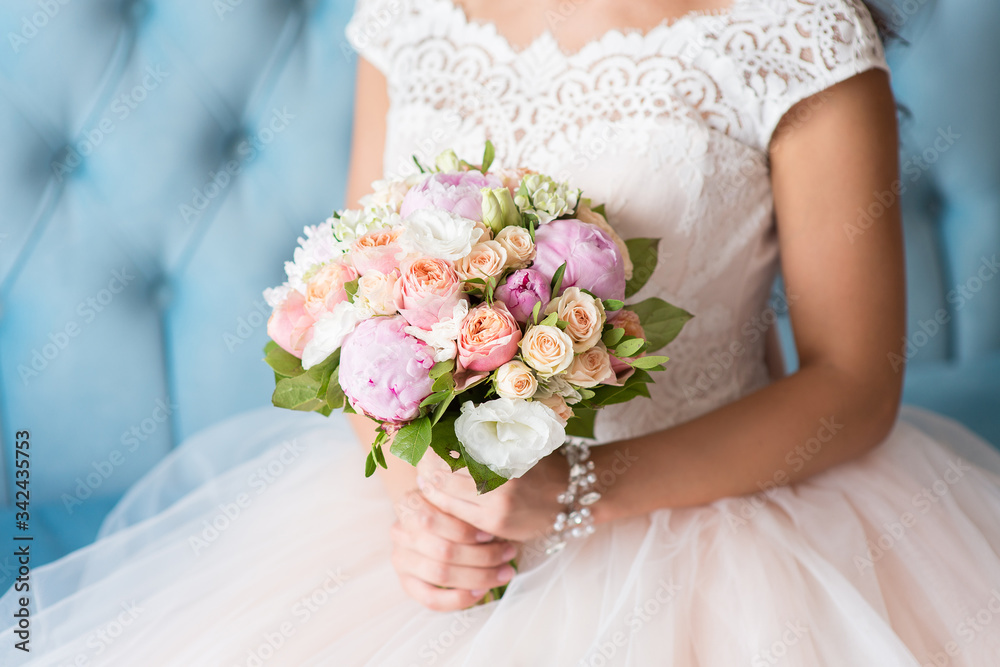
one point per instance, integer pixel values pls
(439, 234)
(509, 436)
(329, 332)
(443, 335)
(545, 198)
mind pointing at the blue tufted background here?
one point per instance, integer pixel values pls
(160, 157)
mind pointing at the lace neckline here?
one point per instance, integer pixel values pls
(547, 41)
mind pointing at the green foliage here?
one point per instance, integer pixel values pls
(445, 443)
(661, 321)
(412, 440)
(488, 154)
(486, 479)
(643, 253)
(557, 279)
(283, 363)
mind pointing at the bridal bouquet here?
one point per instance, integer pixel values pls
(477, 313)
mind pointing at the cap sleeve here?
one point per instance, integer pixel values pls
(372, 29)
(815, 45)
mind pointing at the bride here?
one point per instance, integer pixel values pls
(746, 518)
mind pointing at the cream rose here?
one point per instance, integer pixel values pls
(376, 292)
(590, 368)
(558, 405)
(515, 380)
(519, 246)
(585, 214)
(583, 314)
(487, 260)
(547, 349)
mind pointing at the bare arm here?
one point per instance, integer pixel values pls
(848, 315)
(367, 148)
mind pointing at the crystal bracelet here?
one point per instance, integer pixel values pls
(575, 520)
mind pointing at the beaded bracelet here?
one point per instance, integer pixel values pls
(576, 520)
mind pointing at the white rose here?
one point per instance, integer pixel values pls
(443, 334)
(515, 380)
(509, 436)
(375, 292)
(590, 368)
(438, 233)
(487, 260)
(547, 349)
(583, 314)
(329, 332)
(519, 246)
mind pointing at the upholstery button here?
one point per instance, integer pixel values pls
(161, 291)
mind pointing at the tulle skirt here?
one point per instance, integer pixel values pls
(259, 542)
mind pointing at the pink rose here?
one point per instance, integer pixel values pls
(326, 288)
(427, 291)
(384, 371)
(376, 251)
(629, 321)
(458, 193)
(488, 338)
(593, 261)
(290, 325)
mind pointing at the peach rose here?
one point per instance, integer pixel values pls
(290, 324)
(488, 338)
(326, 288)
(629, 321)
(515, 380)
(558, 405)
(376, 292)
(487, 260)
(376, 251)
(511, 178)
(547, 349)
(590, 368)
(427, 290)
(588, 215)
(519, 246)
(583, 314)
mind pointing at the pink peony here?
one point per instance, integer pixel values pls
(427, 291)
(488, 338)
(459, 193)
(384, 371)
(290, 325)
(326, 288)
(376, 251)
(521, 291)
(593, 261)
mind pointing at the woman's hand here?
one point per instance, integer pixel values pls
(520, 510)
(444, 563)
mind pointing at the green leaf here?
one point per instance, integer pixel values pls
(442, 406)
(283, 363)
(585, 393)
(557, 279)
(486, 479)
(613, 336)
(629, 347)
(351, 288)
(435, 398)
(488, 154)
(298, 393)
(660, 320)
(599, 209)
(445, 443)
(550, 320)
(412, 440)
(380, 456)
(419, 166)
(613, 304)
(531, 226)
(370, 465)
(442, 367)
(444, 382)
(643, 253)
(649, 363)
(581, 424)
(334, 394)
(534, 312)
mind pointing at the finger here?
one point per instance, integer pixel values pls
(449, 575)
(458, 484)
(493, 554)
(455, 507)
(439, 599)
(421, 514)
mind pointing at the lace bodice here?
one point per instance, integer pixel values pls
(668, 128)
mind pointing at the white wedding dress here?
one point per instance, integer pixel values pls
(260, 542)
